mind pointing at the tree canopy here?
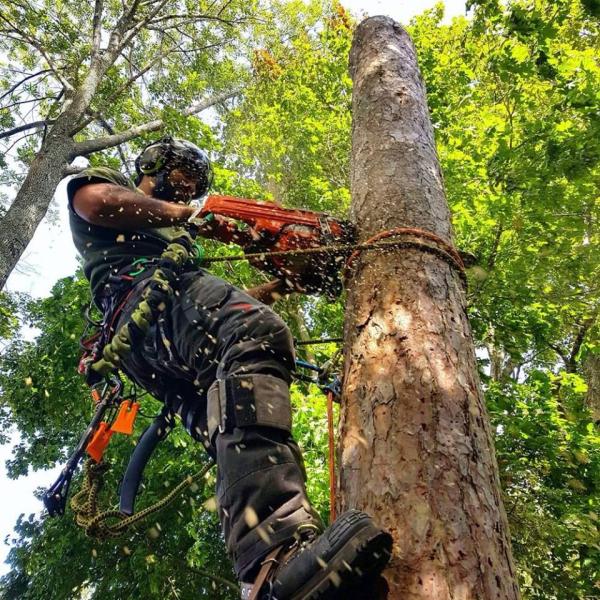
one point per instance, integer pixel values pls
(513, 95)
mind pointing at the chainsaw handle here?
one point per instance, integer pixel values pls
(154, 433)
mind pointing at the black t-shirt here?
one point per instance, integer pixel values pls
(105, 250)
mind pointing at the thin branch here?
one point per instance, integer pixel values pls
(192, 17)
(170, 26)
(97, 28)
(34, 125)
(19, 140)
(222, 9)
(141, 24)
(495, 246)
(19, 102)
(90, 146)
(16, 85)
(108, 127)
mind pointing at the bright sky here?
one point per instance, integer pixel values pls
(51, 255)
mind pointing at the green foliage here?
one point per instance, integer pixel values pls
(549, 453)
(9, 321)
(291, 131)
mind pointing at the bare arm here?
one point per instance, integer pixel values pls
(117, 207)
(270, 292)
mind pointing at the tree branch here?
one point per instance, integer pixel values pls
(123, 24)
(192, 17)
(578, 341)
(33, 125)
(97, 28)
(90, 146)
(16, 85)
(108, 127)
(25, 38)
(72, 170)
(18, 103)
(17, 141)
(141, 24)
(225, 5)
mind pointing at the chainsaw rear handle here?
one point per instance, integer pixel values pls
(154, 433)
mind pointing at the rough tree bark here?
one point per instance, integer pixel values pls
(416, 449)
(591, 373)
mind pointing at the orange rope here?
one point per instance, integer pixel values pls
(444, 246)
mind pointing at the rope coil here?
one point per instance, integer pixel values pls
(96, 523)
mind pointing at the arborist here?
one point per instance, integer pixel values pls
(221, 359)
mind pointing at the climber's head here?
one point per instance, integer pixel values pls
(181, 171)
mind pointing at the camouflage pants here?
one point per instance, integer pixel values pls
(214, 331)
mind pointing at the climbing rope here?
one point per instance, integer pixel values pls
(419, 239)
(112, 523)
(330, 385)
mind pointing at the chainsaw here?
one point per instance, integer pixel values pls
(274, 237)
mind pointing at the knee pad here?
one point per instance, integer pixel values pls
(248, 401)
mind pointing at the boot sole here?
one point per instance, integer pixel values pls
(363, 557)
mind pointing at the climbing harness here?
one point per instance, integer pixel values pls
(103, 354)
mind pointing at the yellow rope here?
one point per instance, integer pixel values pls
(96, 523)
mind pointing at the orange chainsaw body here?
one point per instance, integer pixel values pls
(273, 228)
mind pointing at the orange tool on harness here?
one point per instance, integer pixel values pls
(125, 418)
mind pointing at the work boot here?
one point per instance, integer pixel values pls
(350, 551)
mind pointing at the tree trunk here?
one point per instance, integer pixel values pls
(31, 203)
(591, 373)
(416, 449)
